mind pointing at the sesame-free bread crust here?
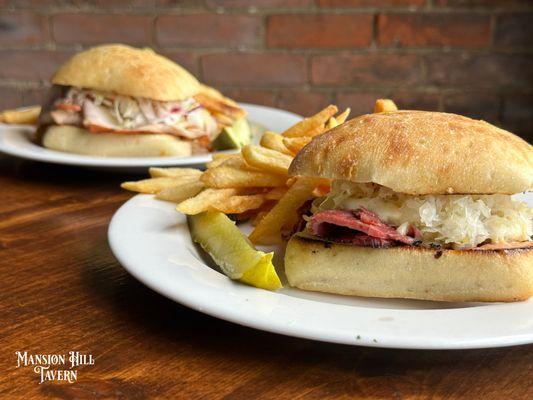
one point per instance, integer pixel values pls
(72, 139)
(421, 152)
(410, 272)
(127, 71)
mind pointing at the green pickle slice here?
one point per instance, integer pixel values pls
(232, 251)
(234, 137)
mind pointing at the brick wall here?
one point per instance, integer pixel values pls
(473, 57)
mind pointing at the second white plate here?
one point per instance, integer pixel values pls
(17, 141)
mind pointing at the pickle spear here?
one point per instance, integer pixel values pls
(232, 251)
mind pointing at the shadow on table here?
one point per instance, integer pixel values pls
(325, 367)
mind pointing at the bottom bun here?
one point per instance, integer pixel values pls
(410, 272)
(72, 139)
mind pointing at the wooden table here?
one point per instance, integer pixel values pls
(62, 290)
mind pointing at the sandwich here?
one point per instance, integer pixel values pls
(421, 207)
(116, 100)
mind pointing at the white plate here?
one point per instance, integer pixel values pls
(152, 242)
(17, 141)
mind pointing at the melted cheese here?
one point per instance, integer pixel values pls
(464, 221)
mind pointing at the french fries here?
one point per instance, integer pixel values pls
(384, 105)
(231, 177)
(295, 144)
(182, 192)
(202, 201)
(343, 116)
(233, 162)
(313, 125)
(274, 141)
(173, 172)
(276, 193)
(266, 159)
(285, 212)
(251, 185)
(22, 116)
(238, 204)
(155, 185)
(225, 110)
(218, 159)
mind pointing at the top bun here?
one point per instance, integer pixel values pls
(420, 152)
(127, 71)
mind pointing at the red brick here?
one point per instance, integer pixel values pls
(100, 4)
(319, 30)
(259, 3)
(483, 3)
(514, 29)
(362, 102)
(13, 97)
(517, 115)
(254, 69)
(189, 61)
(31, 65)
(413, 100)
(254, 96)
(10, 97)
(369, 3)
(101, 28)
(478, 105)
(34, 96)
(22, 27)
(429, 29)
(365, 69)
(359, 102)
(228, 30)
(302, 102)
(480, 70)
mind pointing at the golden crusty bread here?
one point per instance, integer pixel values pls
(410, 272)
(128, 71)
(421, 152)
(72, 139)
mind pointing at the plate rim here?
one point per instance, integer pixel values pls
(324, 335)
(57, 157)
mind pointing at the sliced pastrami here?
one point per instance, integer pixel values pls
(360, 227)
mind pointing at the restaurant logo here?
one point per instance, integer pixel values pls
(54, 367)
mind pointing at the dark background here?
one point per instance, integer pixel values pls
(471, 57)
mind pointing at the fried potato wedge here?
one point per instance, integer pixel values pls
(218, 159)
(239, 204)
(232, 252)
(216, 103)
(332, 123)
(343, 116)
(311, 126)
(203, 200)
(236, 162)
(295, 144)
(231, 177)
(274, 141)
(384, 105)
(285, 212)
(276, 193)
(266, 159)
(155, 185)
(156, 172)
(22, 116)
(182, 192)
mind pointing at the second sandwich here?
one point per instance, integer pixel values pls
(116, 100)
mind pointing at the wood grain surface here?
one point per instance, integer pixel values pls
(62, 290)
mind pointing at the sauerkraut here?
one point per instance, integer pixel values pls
(460, 221)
